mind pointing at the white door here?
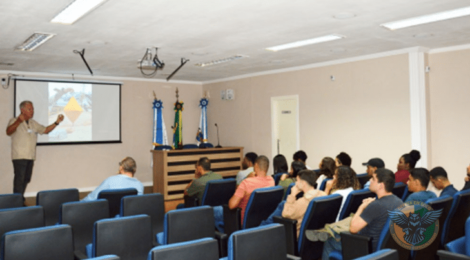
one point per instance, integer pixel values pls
(285, 126)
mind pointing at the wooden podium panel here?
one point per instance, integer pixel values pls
(174, 169)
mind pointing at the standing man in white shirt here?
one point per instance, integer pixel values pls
(24, 132)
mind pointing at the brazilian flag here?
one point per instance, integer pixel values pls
(178, 126)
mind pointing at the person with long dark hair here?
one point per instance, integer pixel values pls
(287, 179)
(406, 163)
(280, 167)
(327, 169)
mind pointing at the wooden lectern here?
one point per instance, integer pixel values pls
(174, 169)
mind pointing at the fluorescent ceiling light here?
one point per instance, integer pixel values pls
(214, 62)
(76, 10)
(427, 18)
(34, 41)
(291, 45)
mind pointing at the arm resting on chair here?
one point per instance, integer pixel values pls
(355, 245)
(290, 226)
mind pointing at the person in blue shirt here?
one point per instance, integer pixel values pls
(124, 180)
(441, 182)
(418, 183)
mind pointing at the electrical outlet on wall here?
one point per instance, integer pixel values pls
(230, 94)
(222, 94)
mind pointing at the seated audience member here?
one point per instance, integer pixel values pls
(124, 180)
(467, 180)
(247, 186)
(406, 163)
(327, 170)
(371, 216)
(417, 183)
(296, 208)
(247, 165)
(372, 165)
(202, 175)
(301, 156)
(279, 166)
(287, 179)
(343, 159)
(344, 182)
(439, 180)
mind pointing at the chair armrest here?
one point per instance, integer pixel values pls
(79, 255)
(446, 255)
(355, 245)
(293, 257)
(222, 239)
(457, 246)
(190, 201)
(232, 219)
(290, 226)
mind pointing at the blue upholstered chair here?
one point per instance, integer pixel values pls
(429, 252)
(21, 218)
(218, 192)
(199, 249)
(384, 254)
(323, 184)
(114, 197)
(461, 245)
(353, 201)
(363, 178)
(81, 216)
(277, 177)
(189, 224)
(128, 237)
(458, 214)
(320, 211)
(399, 189)
(261, 243)
(14, 200)
(151, 204)
(288, 190)
(446, 255)
(51, 200)
(45, 243)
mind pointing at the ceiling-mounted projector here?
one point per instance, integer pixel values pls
(150, 62)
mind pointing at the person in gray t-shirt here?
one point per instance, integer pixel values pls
(371, 216)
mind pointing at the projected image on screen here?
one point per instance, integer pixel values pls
(75, 103)
(92, 111)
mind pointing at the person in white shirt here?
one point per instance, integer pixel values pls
(344, 182)
(247, 165)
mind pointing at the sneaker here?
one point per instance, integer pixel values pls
(317, 235)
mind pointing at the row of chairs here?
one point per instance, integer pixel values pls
(459, 248)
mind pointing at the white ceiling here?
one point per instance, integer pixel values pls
(116, 34)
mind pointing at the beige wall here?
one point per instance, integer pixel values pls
(85, 166)
(364, 112)
(449, 81)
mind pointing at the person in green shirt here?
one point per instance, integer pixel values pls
(202, 175)
(287, 179)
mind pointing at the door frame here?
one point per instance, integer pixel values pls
(273, 127)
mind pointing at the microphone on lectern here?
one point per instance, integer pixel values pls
(218, 141)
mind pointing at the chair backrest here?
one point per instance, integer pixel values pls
(8, 201)
(114, 197)
(386, 241)
(323, 184)
(446, 255)
(320, 211)
(353, 201)
(190, 146)
(128, 237)
(384, 254)
(288, 190)
(150, 204)
(45, 243)
(218, 192)
(261, 243)
(399, 189)
(406, 193)
(105, 257)
(81, 216)
(430, 251)
(459, 212)
(199, 249)
(188, 224)
(363, 178)
(277, 177)
(21, 218)
(51, 200)
(261, 204)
